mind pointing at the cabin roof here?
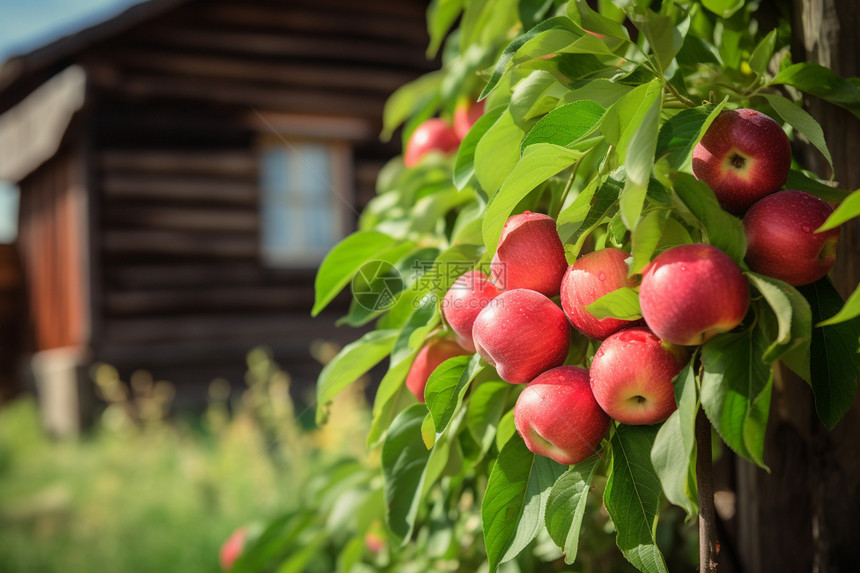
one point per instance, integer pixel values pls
(21, 74)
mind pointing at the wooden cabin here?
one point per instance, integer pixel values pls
(184, 167)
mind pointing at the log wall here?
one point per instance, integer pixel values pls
(179, 108)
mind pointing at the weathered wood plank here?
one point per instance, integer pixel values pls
(284, 72)
(295, 45)
(239, 163)
(119, 216)
(242, 326)
(248, 96)
(182, 244)
(178, 189)
(214, 299)
(351, 23)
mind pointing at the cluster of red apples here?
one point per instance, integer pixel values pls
(687, 295)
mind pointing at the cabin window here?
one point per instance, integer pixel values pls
(9, 197)
(305, 201)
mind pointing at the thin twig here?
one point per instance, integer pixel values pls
(704, 477)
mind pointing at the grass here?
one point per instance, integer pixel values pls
(143, 494)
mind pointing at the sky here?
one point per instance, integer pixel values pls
(28, 24)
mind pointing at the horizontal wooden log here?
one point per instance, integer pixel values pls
(294, 45)
(243, 326)
(248, 97)
(283, 72)
(181, 244)
(240, 163)
(129, 276)
(119, 216)
(179, 189)
(207, 298)
(351, 23)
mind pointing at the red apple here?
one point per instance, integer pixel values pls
(588, 279)
(521, 333)
(691, 293)
(232, 548)
(433, 135)
(632, 376)
(467, 297)
(781, 238)
(530, 255)
(558, 417)
(743, 156)
(465, 116)
(427, 360)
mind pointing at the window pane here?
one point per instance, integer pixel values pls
(301, 218)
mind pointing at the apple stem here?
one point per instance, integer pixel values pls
(704, 478)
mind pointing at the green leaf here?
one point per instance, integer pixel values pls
(565, 506)
(515, 500)
(632, 497)
(441, 15)
(508, 55)
(723, 8)
(722, 230)
(622, 303)
(762, 53)
(506, 430)
(664, 35)
(408, 100)
(684, 130)
(447, 268)
(646, 237)
(601, 91)
(497, 152)
(566, 125)
(833, 359)
(850, 309)
(822, 82)
(538, 163)
(537, 94)
(597, 22)
(404, 464)
(446, 387)
(350, 364)
(486, 406)
(794, 318)
(638, 163)
(802, 182)
(800, 120)
(849, 209)
(344, 260)
(392, 397)
(673, 454)
(736, 389)
(623, 119)
(590, 208)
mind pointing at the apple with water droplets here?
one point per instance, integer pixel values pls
(558, 417)
(632, 376)
(467, 297)
(589, 278)
(743, 156)
(690, 293)
(521, 333)
(530, 255)
(781, 238)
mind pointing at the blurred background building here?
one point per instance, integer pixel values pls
(183, 167)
